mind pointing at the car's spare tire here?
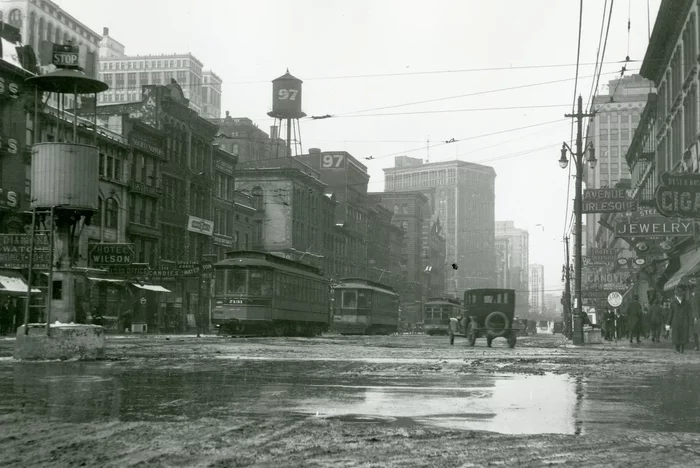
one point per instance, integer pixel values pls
(497, 324)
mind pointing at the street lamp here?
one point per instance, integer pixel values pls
(578, 157)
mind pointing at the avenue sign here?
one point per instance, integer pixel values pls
(678, 195)
(608, 201)
(656, 226)
(112, 254)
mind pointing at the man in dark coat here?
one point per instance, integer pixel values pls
(634, 318)
(679, 320)
(609, 325)
(657, 320)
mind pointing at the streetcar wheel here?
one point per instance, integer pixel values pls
(471, 335)
(512, 338)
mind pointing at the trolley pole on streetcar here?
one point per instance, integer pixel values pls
(578, 159)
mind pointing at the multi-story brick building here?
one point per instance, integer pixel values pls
(294, 218)
(347, 179)
(519, 251)
(242, 138)
(224, 203)
(186, 207)
(385, 247)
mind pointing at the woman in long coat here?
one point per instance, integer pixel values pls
(679, 320)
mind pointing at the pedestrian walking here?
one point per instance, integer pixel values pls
(5, 319)
(609, 323)
(657, 320)
(634, 318)
(679, 320)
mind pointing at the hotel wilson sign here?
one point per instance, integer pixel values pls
(679, 195)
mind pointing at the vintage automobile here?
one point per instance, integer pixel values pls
(488, 313)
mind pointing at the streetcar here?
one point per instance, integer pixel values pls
(438, 311)
(258, 293)
(363, 307)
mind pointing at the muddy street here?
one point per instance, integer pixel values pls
(407, 400)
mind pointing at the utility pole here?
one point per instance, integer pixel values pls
(578, 157)
(567, 291)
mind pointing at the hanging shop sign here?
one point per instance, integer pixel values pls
(147, 145)
(8, 87)
(608, 201)
(603, 255)
(112, 254)
(655, 226)
(15, 250)
(678, 195)
(66, 56)
(200, 226)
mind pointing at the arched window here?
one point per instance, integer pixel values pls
(112, 213)
(258, 198)
(396, 209)
(404, 208)
(49, 31)
(57, 36)
(66, 37)
(2, 16)
(40, 37)
(15, 18)
(97, 217)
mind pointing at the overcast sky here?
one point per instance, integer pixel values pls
(327, 42)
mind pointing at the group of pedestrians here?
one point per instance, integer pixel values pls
(680, 320)
(11, 316)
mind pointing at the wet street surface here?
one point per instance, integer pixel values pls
(407, 400)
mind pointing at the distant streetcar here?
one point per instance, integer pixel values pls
(438, 312)
(363, 307)
(261, 293)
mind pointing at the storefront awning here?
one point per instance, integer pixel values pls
(13, 282)
(689, 262)
(151, 287)
(106, 280)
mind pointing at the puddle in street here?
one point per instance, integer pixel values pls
(513, 404)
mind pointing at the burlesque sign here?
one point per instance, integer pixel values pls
(679, 195)
(608, 200)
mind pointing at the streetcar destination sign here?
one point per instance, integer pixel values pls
(112, 254)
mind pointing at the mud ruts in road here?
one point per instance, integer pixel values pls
(334, 401)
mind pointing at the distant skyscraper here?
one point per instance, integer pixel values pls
(610, 131)
(462, 195)
(126, 74)
(503, 262)
(537, 304)
(519, 249)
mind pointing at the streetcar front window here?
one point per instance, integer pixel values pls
(259, 283)
(220, 282)
(236, 281)
(349, 299)
(362, 300)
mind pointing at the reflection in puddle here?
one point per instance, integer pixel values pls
(511, 405)
(514, 404)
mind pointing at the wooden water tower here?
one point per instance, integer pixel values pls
(286, 107)
(64, 176)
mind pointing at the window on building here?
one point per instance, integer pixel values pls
(111, 213)
(15, 18)
(258, 198)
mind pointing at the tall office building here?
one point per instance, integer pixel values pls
(519, 250)
(617, 115)
(462, 195)
(503, 262)
(537, 303)
(126, 74)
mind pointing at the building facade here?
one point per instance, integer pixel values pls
(503, 262)
(245, 140)
(127, 74)
(519, 251)
(463, 196)
(537, 291)
(617, 116)
(42, 23)
(347, 180)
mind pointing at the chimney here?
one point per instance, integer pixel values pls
(227, 115)
(105, 31)
(314, 150)
(273, 132)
